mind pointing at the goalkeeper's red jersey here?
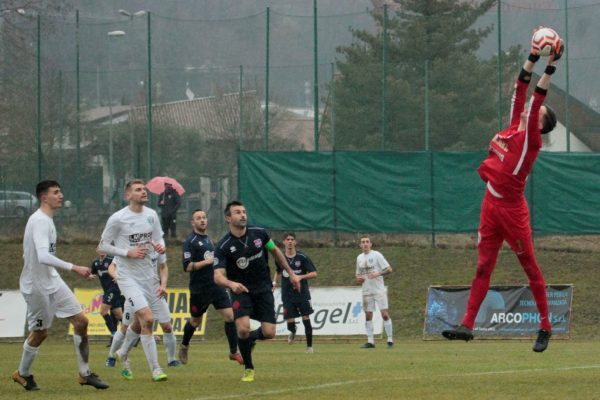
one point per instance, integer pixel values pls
(513, 152)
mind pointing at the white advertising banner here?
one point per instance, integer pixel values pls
(337, 311)
(13, 311)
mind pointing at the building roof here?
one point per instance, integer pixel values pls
(214, 117)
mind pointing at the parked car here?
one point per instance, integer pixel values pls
(17, 204)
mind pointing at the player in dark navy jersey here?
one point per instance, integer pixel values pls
(198, 257)
(296, 304)
(241, 265)
(112, 299)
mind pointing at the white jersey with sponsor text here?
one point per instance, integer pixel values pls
(36, 277)
(129, 229)
(373, 261)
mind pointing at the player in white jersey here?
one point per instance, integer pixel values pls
(130, 331)
(46, 293)
(137, 236)
(371, 265)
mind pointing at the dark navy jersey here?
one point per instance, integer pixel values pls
(301, 265)
(197, 248)
(245, 259)
(100, 268)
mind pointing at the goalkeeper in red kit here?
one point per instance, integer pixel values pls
(504, 211)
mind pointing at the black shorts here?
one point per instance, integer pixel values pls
(113, 298)
(216, 296)
(259, 306)
(295, 309)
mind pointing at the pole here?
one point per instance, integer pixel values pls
(316, 83)
(384, 79)
(427, 105)
(267, 39)
(149, 105)
(499, 65)
(567, 90)
(241, 127)
(38, 136)
(78, 113)
(110, 131)
(60, 125)
(333, 106)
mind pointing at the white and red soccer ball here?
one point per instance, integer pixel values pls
(545, 41)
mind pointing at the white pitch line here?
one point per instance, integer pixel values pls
(355, 381)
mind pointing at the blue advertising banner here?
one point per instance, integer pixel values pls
(507, 312)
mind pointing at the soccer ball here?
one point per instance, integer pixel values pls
(545, 41)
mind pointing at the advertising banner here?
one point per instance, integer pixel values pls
(506, 312)
(337, 311)
(13, 313)
(178, 300)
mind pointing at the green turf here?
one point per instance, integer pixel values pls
(412, 370)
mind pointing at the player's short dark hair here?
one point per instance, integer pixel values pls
(197, 210)
(286, 234)
(549, 121)
(233, 203)
(132, 182)
(42, 187)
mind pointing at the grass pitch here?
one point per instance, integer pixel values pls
(412, 370)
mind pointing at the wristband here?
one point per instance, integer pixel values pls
(550, 69)
(533, 57)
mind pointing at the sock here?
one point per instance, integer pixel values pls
(389, 330)
(292, 326)
(232, 338)
(130, 339)
(308, 331)
(256, 334)
(118, 340)
(115, 321)
(369, 327)
(82, 350)
(149, 346)
(27, 358)
(171, 345)
(246, 351)
(109, 323)
(188, 332)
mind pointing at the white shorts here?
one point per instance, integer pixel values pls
(41, 308)
(379, 299)
(137, 298)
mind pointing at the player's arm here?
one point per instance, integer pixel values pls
(163, 273)
(41, 233)
(519, 96)
(221, 280)
(360, 278)
(109, 236)
(189, 255)
(112, 271)
(311, 271)
(539, 95)
(280, 259)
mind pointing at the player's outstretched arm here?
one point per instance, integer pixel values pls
(544, 82)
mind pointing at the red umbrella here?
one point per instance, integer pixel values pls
(157, 185)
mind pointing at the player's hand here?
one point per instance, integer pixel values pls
(91, 277)
(159, 248)
(210, 260)
(373, 275)
(83, 271)
(137, 252)
(557, 53)
(162, 291)
(360, 279)
(238, 288)
(296, 282)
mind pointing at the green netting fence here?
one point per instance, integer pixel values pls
(421, 192)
